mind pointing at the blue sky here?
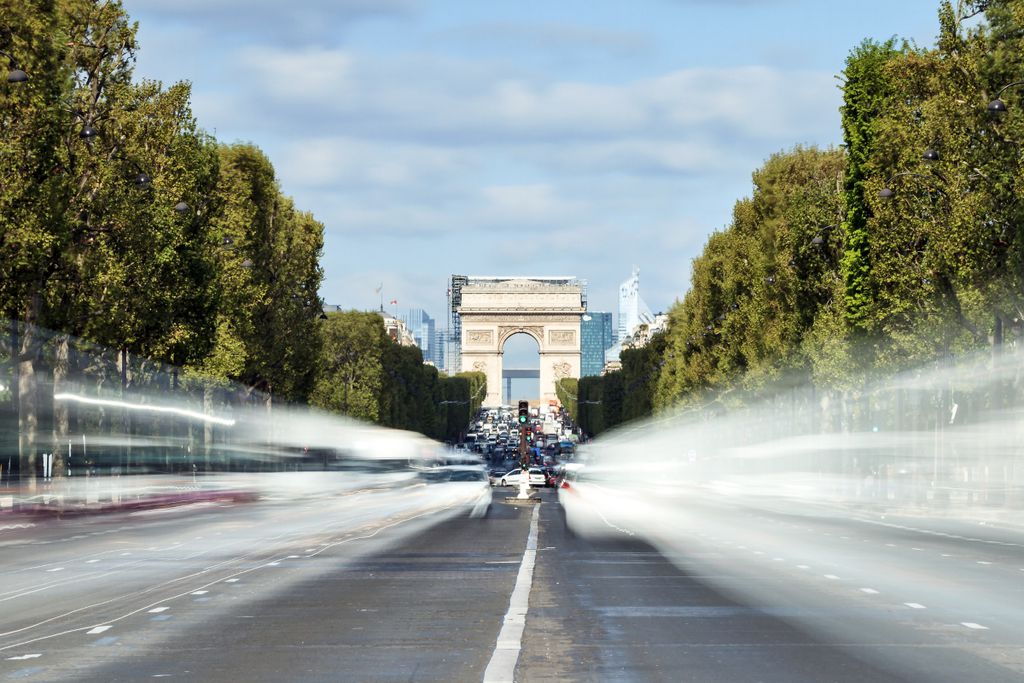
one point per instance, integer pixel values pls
(492, 137)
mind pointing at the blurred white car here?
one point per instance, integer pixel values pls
(465, 485)
(536, 477)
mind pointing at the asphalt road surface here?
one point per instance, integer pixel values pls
(386, 586)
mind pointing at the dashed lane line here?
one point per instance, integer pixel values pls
(502, 665)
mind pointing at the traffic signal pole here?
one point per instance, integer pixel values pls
(524, 455)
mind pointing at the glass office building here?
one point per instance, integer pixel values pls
(632, 309)
(423, 329)
(596, 337)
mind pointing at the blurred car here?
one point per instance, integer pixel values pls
(494, 475)
(550, 477)
(535, 474)
(464, 485)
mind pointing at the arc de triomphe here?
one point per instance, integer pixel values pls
(547, 309)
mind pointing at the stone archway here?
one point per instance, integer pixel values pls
(548, 309)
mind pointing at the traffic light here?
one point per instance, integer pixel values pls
(529, 437)
(524, 412)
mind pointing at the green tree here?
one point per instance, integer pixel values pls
(567, 390)
(758, 285)
(268, 277)
(867, 91)
(350, 378)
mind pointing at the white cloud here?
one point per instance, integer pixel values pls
(294, 22)
(445, 101)
(557, 39)
(524, 204)
(358, 164)
(297, 77)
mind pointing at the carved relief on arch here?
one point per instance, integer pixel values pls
(506, 331)
(562, 337)
(479, 337)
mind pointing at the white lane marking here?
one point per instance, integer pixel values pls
(758, 552)
(56, 569)
(915, 605)
(125, 554)
(831, 576)
(91, 561)
(890, 545)
(292, 557)
(510, 639)
(983, 562)
(502, 562)
(946, 555)
(918, 549)
(31, 656)
(200, 592)
(98, 629)
(777, 559)
(158, 610)
(971, 624)
(309, 550)
(869, 591)
(273, 564)
(231, 581)
(802, 566)
(943, 534)
(225, 563)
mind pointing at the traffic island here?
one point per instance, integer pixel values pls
(516, 500)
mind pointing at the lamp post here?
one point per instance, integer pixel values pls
(15, 74)
(998, 106)
(888, 193)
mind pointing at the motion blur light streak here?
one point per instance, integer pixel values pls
(912, 485)
(144, 408)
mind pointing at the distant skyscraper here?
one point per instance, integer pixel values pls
(423, 331)
(440, 356)
(595, 338)
(632, 309)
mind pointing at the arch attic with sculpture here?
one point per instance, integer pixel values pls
(549, 309)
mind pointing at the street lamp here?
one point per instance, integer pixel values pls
(998, 106)
(16, 74)
(818, 240)
(888, 193)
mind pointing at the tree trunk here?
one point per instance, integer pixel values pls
(126, 453)
(28, 414)
(61, 418)
(207, 426)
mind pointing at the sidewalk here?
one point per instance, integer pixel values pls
(107, 495)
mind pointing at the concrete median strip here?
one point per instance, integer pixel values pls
(502, 666)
